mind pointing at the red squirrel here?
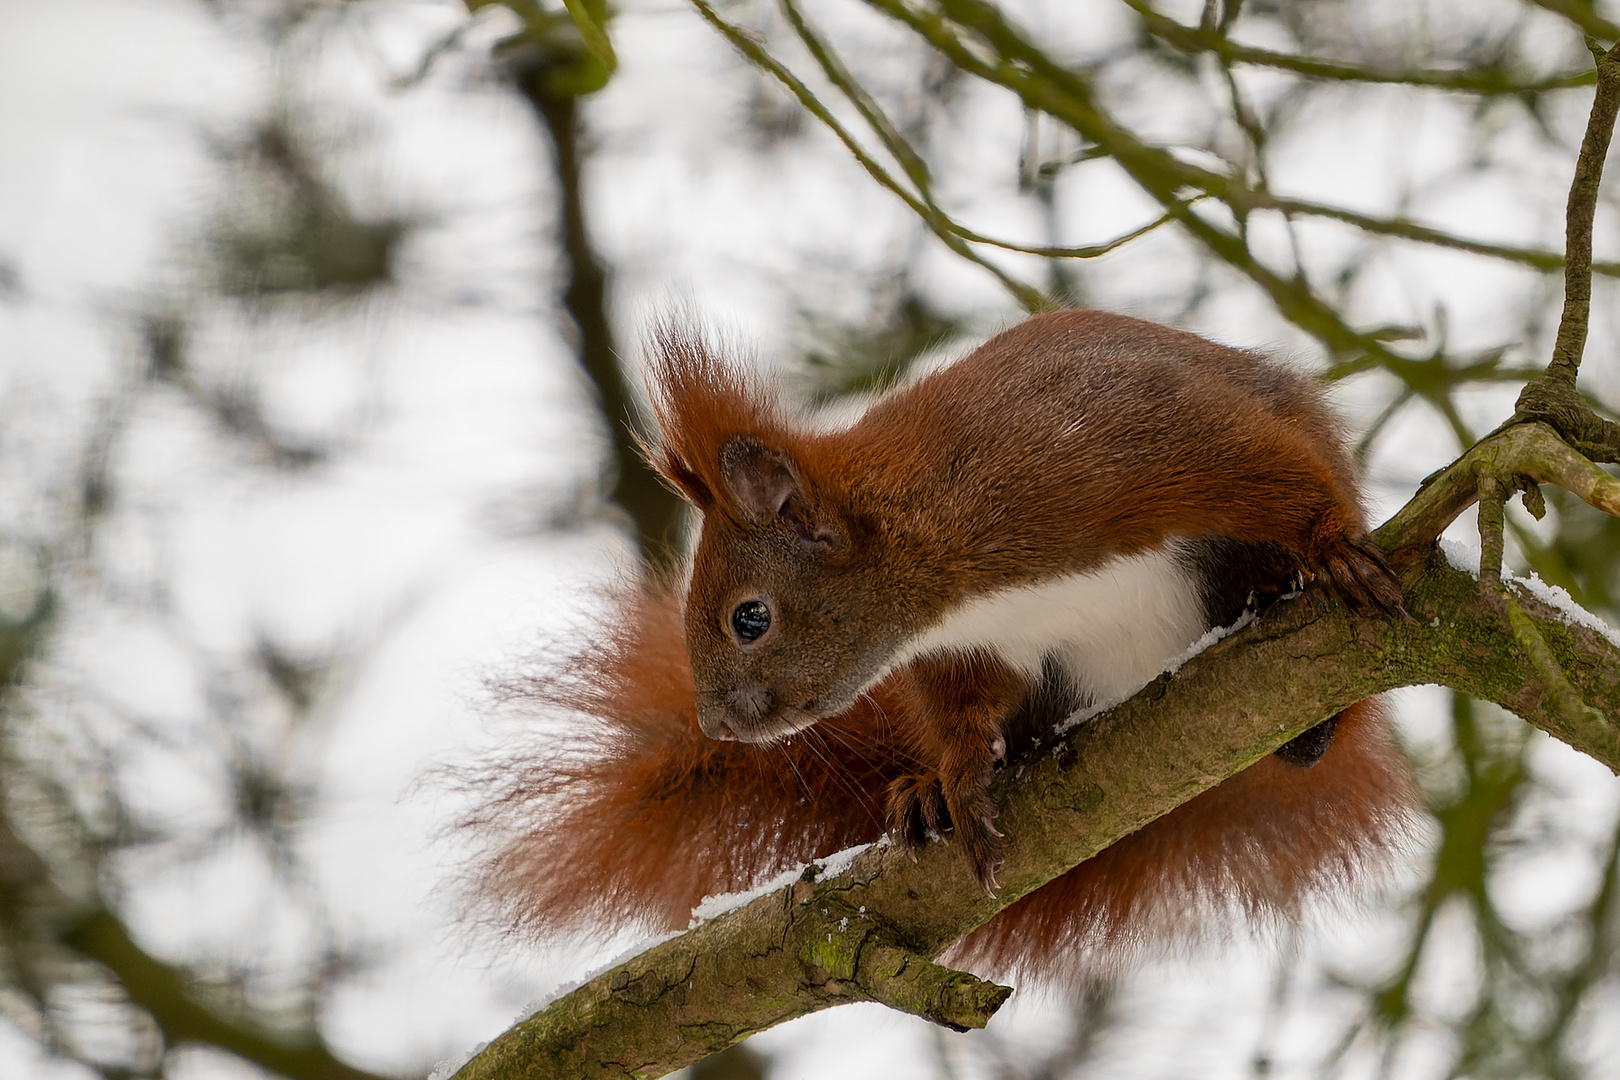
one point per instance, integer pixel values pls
(1036, 528)
(1064, 496)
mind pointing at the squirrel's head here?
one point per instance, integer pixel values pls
(786, 617)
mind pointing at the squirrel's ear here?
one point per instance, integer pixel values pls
(761, 481)
(765, 484)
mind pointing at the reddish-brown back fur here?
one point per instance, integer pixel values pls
(634, 816)
(1079, 435)
(1071, 437)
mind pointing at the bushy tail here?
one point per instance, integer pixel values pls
(630, 816)
(1263, 844)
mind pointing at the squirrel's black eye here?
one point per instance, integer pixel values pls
(750, 619)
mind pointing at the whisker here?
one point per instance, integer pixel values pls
(841, 776)
(832, 731)
(869, 802)
(901, 749)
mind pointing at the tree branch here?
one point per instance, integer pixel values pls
(29, 896)
(653, 509)
(1193, 40)
(808, 946)
(1531, 451)
(1581, 208)
(1021, 75)
(161, 991)
(1046, 86)
(911, 162)
(1551, 397)
(1406, 229)
(948, 232)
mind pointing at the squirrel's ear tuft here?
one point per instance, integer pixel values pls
(685, 480)
(704, 404)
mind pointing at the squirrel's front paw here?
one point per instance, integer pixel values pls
(916, 807)
(920, 803)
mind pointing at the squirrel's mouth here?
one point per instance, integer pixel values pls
(758, 713)
(729, 724)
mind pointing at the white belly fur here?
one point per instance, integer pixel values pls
(1113, 629)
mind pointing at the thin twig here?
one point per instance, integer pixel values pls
(1583, 195)
(1003, 55)
(1191, 41)
(1551, 397)
(1406, 229)
(1026, 294)
(916, 168)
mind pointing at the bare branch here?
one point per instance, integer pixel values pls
(1532, 451)
(1406, 229)
(1551, 397)
(1193, 40)
(1044, 85)
(1582, 206)
(27, 893)
(1026, 295)
(161, 990)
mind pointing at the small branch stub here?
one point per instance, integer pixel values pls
(916, 985)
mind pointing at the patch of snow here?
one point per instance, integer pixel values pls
(1173, 665)
(1076, 718)
(1461, 556)
(1209, 638)
(712, 907)
(444, 1070)
(1572, 613)
(569, 987)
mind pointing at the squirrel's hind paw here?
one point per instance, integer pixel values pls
(1356, 571)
